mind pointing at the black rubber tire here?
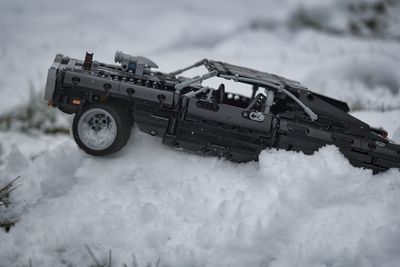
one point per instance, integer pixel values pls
(123, 121)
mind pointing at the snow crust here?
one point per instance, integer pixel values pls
(156, 203)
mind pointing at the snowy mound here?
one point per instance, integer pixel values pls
(186, 210)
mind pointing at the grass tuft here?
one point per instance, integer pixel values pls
(7, 223)
(34, 115)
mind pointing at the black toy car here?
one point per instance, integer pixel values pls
(279, 113)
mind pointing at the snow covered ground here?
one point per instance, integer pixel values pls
(156, 203)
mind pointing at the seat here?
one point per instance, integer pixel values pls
(220, 93)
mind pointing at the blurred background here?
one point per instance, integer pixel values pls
(348, 49)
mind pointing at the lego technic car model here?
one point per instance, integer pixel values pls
(279, 113)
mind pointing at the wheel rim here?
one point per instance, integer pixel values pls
(97, 129)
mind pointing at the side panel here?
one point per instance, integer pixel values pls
(118, 88)
(77, 79)
(146, 93)
(223, 132)
(151, 118)
(359, 148)
(298, 136)
(226, 114)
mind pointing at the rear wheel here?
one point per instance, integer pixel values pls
(101, 129)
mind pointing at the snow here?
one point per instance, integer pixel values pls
(153, 202)
(288, 209)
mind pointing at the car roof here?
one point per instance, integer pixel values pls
(229, 69)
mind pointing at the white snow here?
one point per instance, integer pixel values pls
(184, 209)
(288, 209)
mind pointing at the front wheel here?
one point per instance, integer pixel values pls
(101, 129)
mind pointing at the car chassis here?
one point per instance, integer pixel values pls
(185, 114)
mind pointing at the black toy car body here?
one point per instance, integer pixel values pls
(279, 113)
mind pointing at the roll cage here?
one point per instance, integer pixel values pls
(271, 82)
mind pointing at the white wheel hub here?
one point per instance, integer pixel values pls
(97, 129)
